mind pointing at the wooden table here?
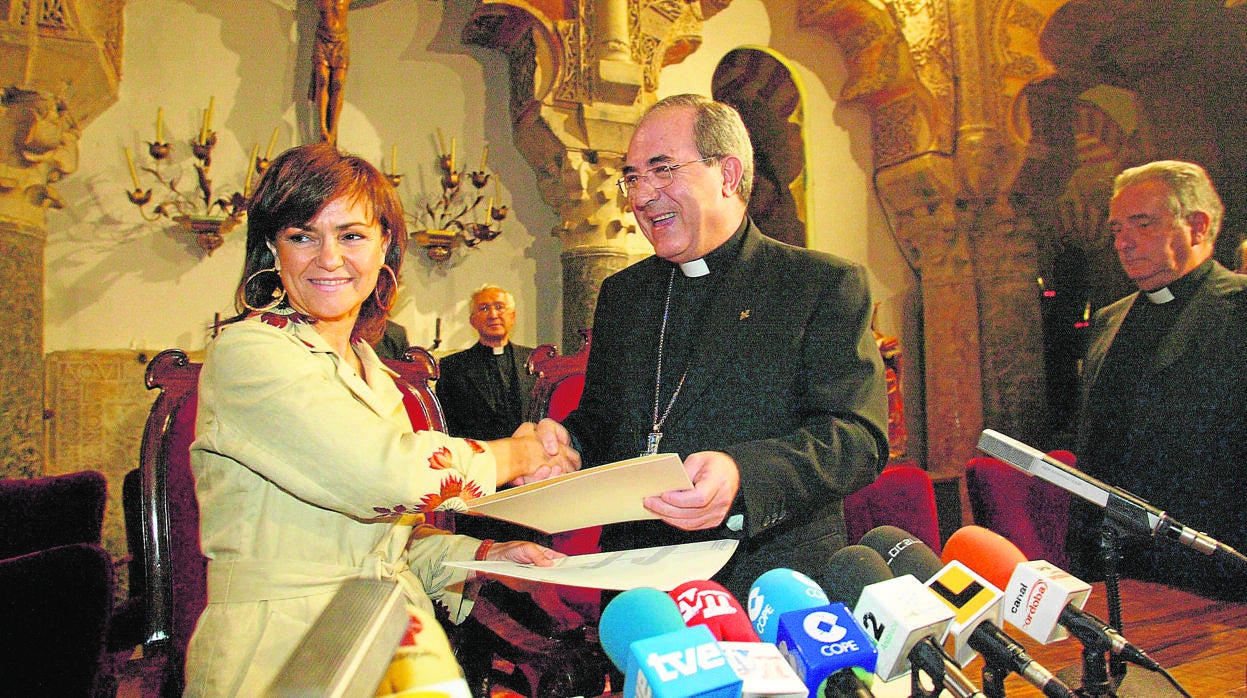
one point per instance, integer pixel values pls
(1202, 643)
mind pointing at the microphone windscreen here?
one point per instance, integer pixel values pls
(777, 592)
(708, 603)
(904, 553)
(851, 569)
(636, 614)
(990, 554)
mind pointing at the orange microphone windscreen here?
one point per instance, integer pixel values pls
(986, 552)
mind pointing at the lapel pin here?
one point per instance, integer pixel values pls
(744, 314)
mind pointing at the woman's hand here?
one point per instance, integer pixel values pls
(544, 595)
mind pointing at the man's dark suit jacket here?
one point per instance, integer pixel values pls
(463, 390)
(1186, 444)
(785, 377)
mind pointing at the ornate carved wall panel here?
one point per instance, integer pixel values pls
(60, 63)
(21, 368)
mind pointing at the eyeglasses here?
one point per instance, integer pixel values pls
(657, 177)
(496, 307)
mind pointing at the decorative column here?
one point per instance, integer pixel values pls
(49, 46)
(579, 83)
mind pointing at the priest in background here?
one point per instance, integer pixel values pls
(1164, 405)
(486, 389)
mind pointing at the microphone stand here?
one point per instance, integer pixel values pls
(1095, 678)
(994, 678)
(930, 661)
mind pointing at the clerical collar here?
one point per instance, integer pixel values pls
(695, 268)
(1182, 289)
(497, 351)
(1160, 296)
(719, 257)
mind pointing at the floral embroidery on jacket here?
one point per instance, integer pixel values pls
(442, 459)
(452, 488)
(475, 446)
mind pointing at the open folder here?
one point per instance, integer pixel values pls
(591, 497)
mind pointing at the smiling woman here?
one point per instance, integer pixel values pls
(307, 469)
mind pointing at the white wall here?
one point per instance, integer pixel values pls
(115, 282)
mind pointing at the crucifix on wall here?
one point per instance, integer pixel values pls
(330, 57)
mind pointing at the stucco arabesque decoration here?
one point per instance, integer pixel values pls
(946, 153)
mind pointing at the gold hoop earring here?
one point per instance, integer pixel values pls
(376, 290)
(279, 292)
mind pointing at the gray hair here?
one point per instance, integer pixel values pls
(490, 287)
(718, 130)
(1190, 189)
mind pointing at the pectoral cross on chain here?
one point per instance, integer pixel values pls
(651, 442)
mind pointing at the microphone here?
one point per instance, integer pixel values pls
(903, 617)
(976, 605)
(850, 570)
(762, 668)
(777, 592)
(825, 644)
(710, 604)
(1121, 506)
(1041, 600)
(643, 633)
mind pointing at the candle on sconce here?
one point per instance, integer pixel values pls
(203, 130)
(484, 156)
(441, 142)
(394, 159)
(134, 176)
(272, 141)
(160, 124)
(246, 187)
(490, 209)
(452, 153)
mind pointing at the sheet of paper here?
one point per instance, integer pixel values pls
(591, 497)
(665, 567)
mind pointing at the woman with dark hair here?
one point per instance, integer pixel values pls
(308, 472)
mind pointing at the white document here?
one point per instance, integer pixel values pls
(664, 568)
(590, 497)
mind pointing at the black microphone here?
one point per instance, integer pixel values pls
(1118, 504)
(850, 570)
(975, 601)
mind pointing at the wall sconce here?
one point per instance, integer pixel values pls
(194, 211)
(452, 219)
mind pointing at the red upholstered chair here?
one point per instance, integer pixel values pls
(417, 368)
(902, 496)
(168, 573)
(56, 586)
(1027, 510)
(560, 380)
